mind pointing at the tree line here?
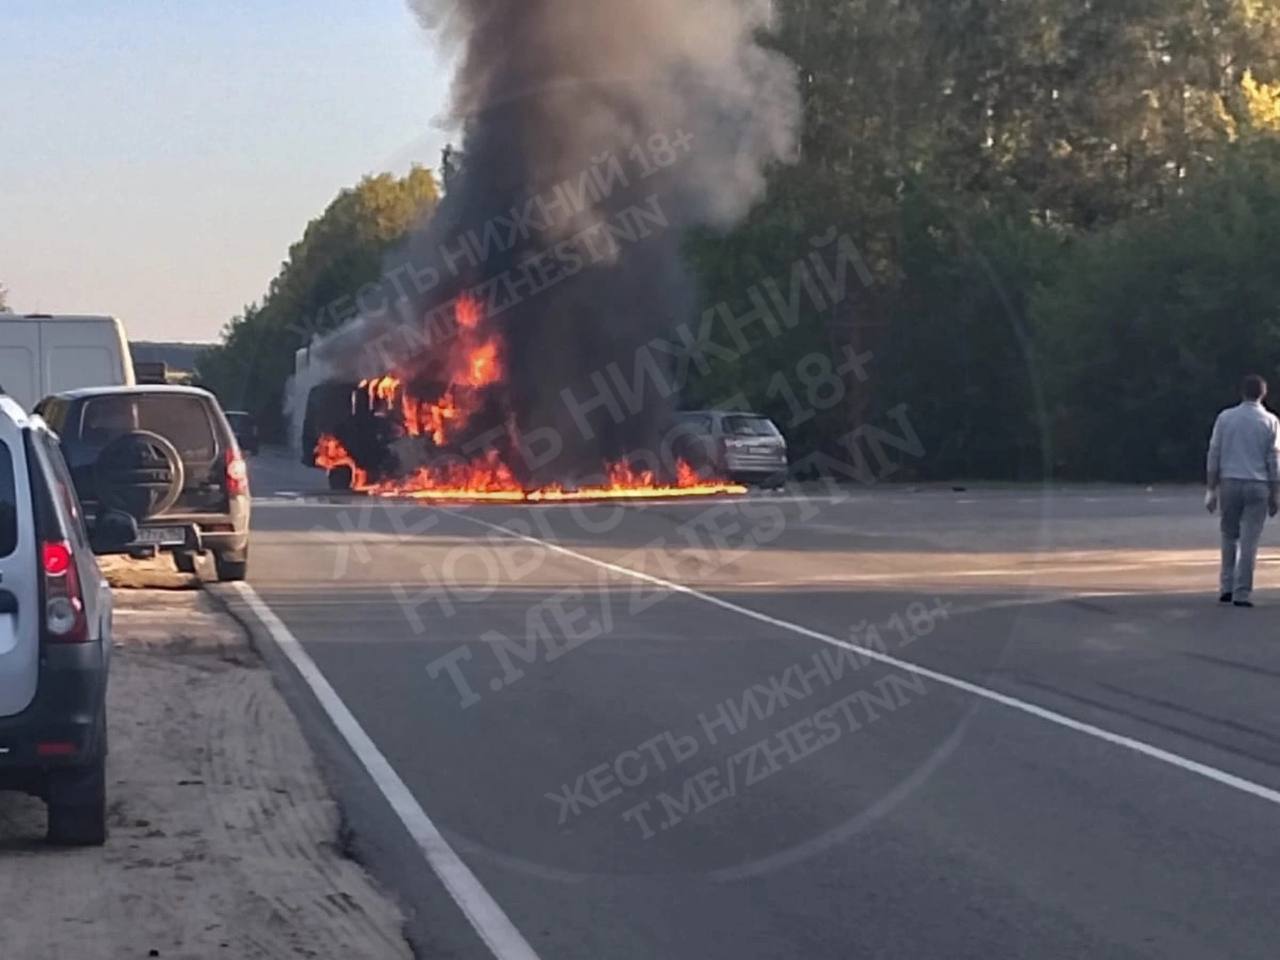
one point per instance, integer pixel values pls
(1069, 213)
(315, 290)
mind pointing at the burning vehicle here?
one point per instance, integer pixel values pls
(505, 352)
(446, 431)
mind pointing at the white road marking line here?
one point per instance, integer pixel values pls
(494, 927)
(1023, 706)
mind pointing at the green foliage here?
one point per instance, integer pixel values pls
(1070, 212)
(315, 290)
(1152, 323)
(959, 351)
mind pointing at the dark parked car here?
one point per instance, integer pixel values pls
(245, 428)
(167, 456)
(55, 634)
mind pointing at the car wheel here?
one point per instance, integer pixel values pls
(229, 569)
(340, 478)
(139, 473)
(185, 562)
(77, 803)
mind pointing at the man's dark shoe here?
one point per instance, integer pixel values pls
(1224, 598)
(1243, 603)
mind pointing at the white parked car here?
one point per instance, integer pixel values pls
(42, 354)
(55, 633)
(741, 446)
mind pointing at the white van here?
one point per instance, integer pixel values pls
(42, 354)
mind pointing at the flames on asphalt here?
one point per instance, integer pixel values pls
(466, 385)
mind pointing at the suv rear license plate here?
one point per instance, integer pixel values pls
(162, 536)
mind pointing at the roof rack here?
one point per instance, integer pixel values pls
(151, 371)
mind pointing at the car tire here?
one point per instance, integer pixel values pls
(341, 478)
(139, 473)
(185, 562)
(229, 570)
(77, 805)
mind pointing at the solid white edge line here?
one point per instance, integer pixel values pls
(1079, 726)
(487, 918)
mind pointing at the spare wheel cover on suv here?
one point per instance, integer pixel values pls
(140, 473)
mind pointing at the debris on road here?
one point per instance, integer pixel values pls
(224, 839)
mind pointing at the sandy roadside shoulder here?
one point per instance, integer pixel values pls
(224, 838)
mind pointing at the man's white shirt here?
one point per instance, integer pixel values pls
(1245, 444)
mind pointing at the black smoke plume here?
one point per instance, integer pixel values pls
(609, 127)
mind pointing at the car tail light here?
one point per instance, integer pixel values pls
(56, 558)
(64, 620)
(237, 474)
(56, 748)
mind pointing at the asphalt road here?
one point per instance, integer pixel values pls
(1089, 767)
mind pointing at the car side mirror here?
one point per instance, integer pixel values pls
(113, 532)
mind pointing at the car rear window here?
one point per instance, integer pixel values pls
(750, 427)
(8, 503)
(183, 421)
(696, 422)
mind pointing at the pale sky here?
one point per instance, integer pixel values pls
(160, 156)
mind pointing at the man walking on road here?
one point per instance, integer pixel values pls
(1244, 481)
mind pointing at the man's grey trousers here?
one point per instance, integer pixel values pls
(1244, 511)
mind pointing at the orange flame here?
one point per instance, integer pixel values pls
(382, 389)
(488, 478)
(331, 455)
(476, 363)
(482, 366)
(467, 312)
